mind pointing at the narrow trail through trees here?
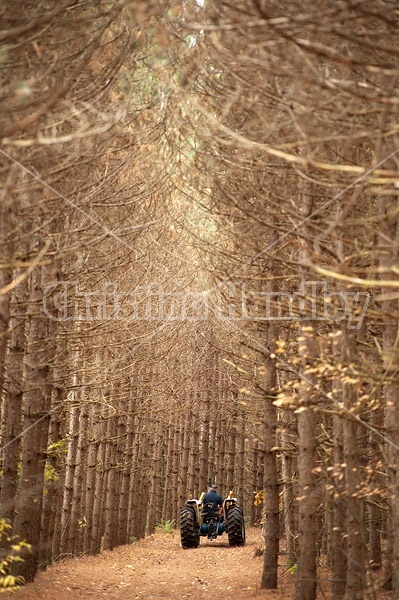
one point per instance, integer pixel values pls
(157, 567)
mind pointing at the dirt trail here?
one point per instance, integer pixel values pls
(157, 567)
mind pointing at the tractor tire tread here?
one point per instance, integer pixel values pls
(189, 533)
(235, 526)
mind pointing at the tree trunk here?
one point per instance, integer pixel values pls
(97, 525)
(185, 450)
(110, 490)
(339, 552)
(241, 462)
(306, 583)
(153, 504)
(212, 464)
(388, 252)
(12, 405)
(271, 487)
(7, 256)
(175, 508)
(69, 478)
(221, 447)
(167, 500)
(37, 403)
(193, 462)
(287, 475)
(52, 491)
(307, 503)
(231, 453)
(204, 461)
(76, 509)
(355, 578)
(127, 467)
(374, 506)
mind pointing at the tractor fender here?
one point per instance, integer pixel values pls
(195, 504)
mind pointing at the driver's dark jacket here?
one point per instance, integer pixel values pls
(213, 496)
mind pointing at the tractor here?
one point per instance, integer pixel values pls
(198, 519)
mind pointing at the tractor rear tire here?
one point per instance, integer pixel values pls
(189, 533)
(235, 526)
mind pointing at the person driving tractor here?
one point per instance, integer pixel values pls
(212, 497)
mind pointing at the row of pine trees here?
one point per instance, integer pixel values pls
(198, 278)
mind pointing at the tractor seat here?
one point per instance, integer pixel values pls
(210, 511)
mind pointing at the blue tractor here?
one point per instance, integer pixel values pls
(198, 519)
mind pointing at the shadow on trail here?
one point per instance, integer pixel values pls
(207, 545)
(215, 544)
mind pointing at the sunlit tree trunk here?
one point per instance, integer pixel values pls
(73, 432)
(307, 502)
(306, 582)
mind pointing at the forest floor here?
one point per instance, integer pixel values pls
(157, 567)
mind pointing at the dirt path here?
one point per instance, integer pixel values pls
(158, 567)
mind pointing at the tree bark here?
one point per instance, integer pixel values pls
(339, 554)
(36, 407)
(354, 530)
(271, 487)
(77, 508)
(110, 490)
(388, 252)
(306, 582)
(73, 433)
(12, 405)
(287, 475)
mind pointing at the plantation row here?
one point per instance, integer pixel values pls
(198, 277)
